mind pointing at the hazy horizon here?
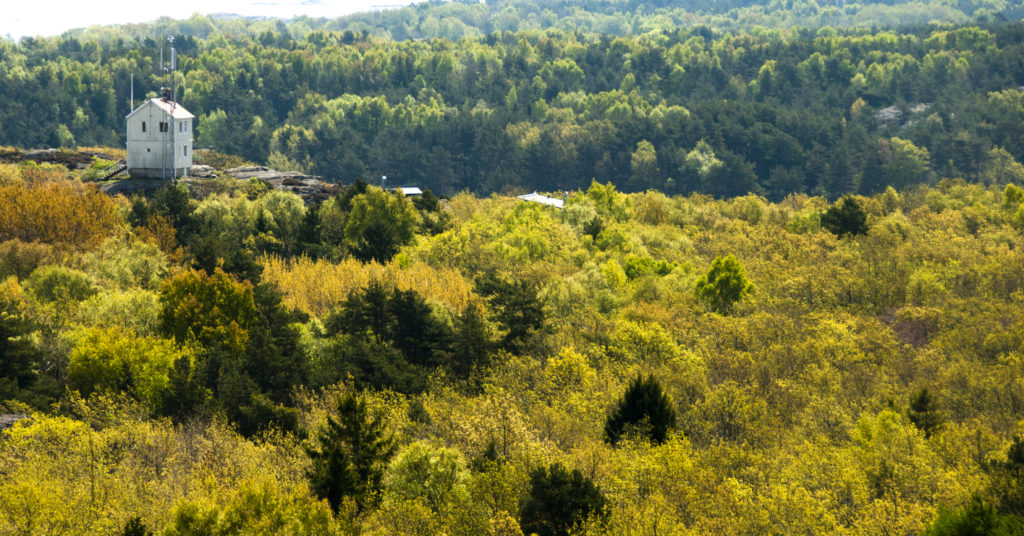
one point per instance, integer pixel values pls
(54, 17)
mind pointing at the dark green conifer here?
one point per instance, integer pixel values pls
(558, 501)
(645, 409)
(845, 219)
(924, 413)
(349, 454)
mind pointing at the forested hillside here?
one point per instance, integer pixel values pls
(784, 295)
(648, 364)
(680, 109)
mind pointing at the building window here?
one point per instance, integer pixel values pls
(143, 126)
(163, 126)
(185, 147)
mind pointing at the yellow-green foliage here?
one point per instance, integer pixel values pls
(317, 286)
(793, 410)
(196, 307)
(20, 259)
(64, 476)
(113, 360)
(125, 265)
(133, 310)
(60, 285)
(9, 174)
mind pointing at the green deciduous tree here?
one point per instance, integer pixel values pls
(213, 310)
(724, 285)
(904, 164)
(111, 360)
(60, 284)
(643, 166)
(379, 224)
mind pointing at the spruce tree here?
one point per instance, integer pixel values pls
(847, 218)
(559, 501)
(924, 413)
(645, 408)
(350, 454)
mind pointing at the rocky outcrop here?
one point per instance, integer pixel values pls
(68, 158)
(202, 181)
(264, 173)
(132, 186)
(199, 171)
(890, 115)
(7, 420)
(310, 188)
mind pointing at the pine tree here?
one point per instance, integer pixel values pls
(724, 285)
(645, 408)
(516, 306)
(350, 454)
(559, 501)
(18, 358)
(845, 219)
(185, 394)
(1008, 480)
(924, 413)
(136, 527)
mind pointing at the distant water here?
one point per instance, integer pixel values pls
(54, 17)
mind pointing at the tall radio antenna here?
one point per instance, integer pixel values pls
(169, 68)
(169, 95)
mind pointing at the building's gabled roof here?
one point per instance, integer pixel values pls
(542, 199)
(175, 109)
(409, 190)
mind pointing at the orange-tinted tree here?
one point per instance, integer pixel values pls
(59, 213)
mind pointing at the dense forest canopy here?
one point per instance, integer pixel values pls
(784, 295)
(680, 108)
(631, 363)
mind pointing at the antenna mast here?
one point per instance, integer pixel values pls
(168, 94)
(174, 66)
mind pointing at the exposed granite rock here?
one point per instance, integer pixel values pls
(310, 188)
(68, 158)
(132, 186)
(7, 420)
(264, 173)
(200, 171)
(889, 115)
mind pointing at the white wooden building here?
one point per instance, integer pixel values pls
(542, 199)
(159, 140)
